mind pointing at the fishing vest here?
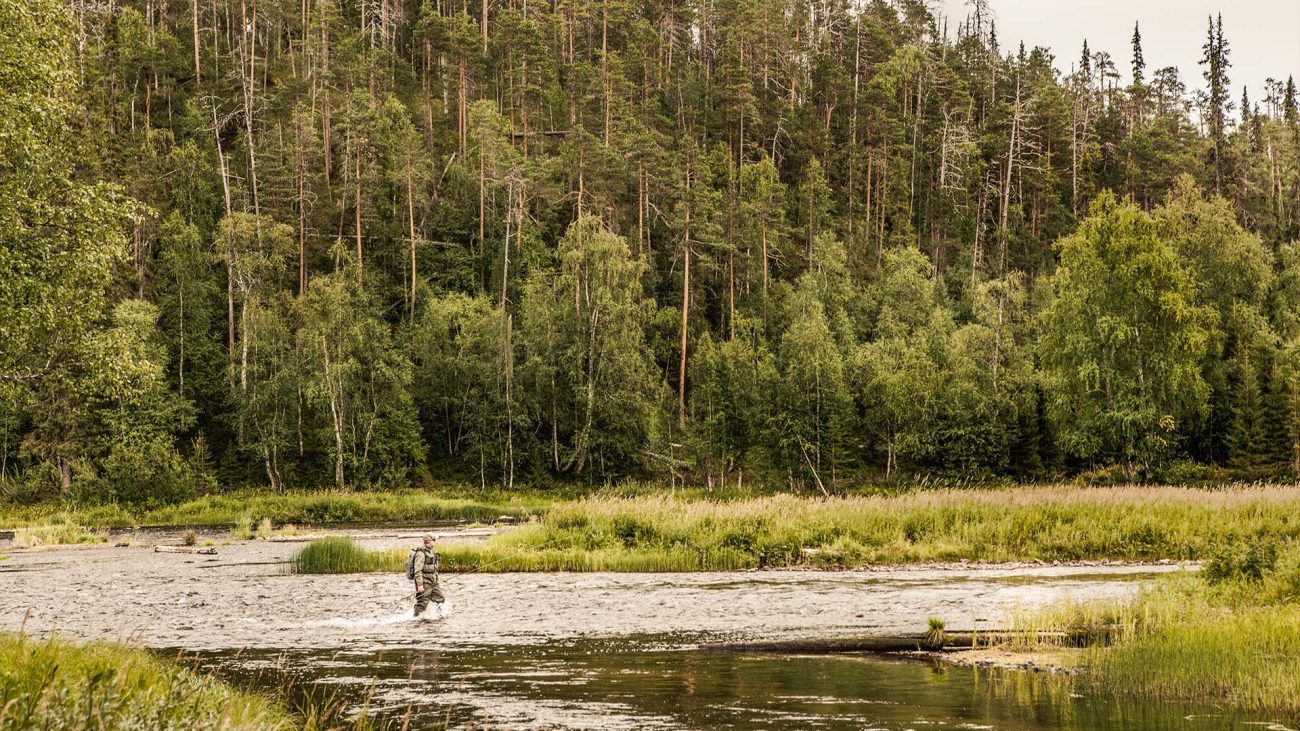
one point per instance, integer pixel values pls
(429, 572)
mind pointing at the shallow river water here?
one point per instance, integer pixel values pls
(551, 651)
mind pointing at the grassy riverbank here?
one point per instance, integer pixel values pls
(316, 507)
(1058, 523)
(1228, 635)
(55, 684)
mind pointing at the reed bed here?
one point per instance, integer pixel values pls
(672, 533)
(54, 684)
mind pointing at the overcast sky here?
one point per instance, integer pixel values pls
(1263, 35)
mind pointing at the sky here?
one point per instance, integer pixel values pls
(1263, 35)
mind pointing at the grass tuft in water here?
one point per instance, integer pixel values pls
(337, 555)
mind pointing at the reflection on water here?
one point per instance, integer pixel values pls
(658, 682)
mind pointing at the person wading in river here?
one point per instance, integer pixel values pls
(422, 568)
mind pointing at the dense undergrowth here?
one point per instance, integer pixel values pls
(668, 533)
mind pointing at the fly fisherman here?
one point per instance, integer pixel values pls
(422, 568)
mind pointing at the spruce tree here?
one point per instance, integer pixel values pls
(1248, 434)
(1215, 60)
(1139, 63)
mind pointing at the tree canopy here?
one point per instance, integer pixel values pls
(382, 243)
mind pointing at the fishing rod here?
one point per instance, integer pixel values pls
(520, 552)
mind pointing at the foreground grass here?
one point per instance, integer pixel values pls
(1229, 638)
(54, 684)
(308, 507)
(58, 685)
(666, 533)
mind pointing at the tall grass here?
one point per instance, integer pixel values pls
(1229, 637)
(1245, 657)
(57, 685)
(60, 533)
(53, 684)
(337, 555)
(669, 533)
(1019, 524)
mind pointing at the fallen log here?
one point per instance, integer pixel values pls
(185, 549)
(245, 563)
(933, 641)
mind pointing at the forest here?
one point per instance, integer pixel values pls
(798, 243)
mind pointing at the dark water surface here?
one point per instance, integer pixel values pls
(647, 682)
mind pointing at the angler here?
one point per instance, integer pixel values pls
(422, 568)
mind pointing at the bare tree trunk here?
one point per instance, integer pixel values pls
(243, 338)
(198, 71)
(335, 415)
(410, 220)
(640, 210)
(505, 248)
(357, 223)
(731, 293)
(180, 356)
(302, 219)
(225, 189)
(510, 419)
(604, 64)
(1006, 181)
(248, 47)
(462, 104)
(482, 194)
(686, 301)
(325, 101)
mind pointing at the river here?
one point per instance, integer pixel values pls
(561, 651)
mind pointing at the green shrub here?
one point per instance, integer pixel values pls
(1249, 563)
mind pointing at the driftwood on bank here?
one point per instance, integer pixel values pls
(185, 549)
(935, 641)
